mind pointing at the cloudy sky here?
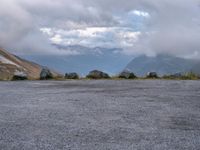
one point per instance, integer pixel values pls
(136, 26)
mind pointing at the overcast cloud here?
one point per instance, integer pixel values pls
(137, 26)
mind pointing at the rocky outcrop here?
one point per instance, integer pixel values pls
(20, 76)
(96, 74)
(152, 75)
(46, 74)
(127, 75)
(72, 75)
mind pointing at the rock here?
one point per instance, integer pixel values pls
(20, 76)
(45, 74)
(71, 76)
(127, 75)
(152, 75)
(96, 74)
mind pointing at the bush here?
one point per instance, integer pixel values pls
(95, 74)
(152, 75)
(190, 76)
(46, 74)
(71, 76)
(186, 76)
(127, 75)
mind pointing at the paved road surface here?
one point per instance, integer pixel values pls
(100, 115)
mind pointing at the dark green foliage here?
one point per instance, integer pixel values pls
(186, 76)
(190, 76)
(95, 74)
(71, 76)
(46, 74)
(127, 75)
(152, 75)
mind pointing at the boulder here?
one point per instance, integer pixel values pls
(152, 75)
(96, 74)
(127, 75)
(45, 74)
(20, 76)
(71, 76)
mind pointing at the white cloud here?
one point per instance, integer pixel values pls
(91, 31)
(94, 36)
(173, 26)
(47, 31)
(140, 13)
(56, 39)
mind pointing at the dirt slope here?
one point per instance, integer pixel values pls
(10, 64)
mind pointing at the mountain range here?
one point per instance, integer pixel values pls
(84, 59)
(162, 65)
(107, 60)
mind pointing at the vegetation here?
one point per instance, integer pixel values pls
(46, 74)
(96, 74)
(186, 76)
(72, 75)
(127, 75)
(152, 75)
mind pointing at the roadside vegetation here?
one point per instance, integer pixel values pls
(186, 76)
(98, 75)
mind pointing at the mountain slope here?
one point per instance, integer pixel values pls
(162, 64)
(10, 64)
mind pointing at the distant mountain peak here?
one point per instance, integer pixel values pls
(83, 50)
(163, 64)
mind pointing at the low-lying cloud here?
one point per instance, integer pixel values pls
(138, 26)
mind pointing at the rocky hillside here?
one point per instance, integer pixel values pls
(11, 65)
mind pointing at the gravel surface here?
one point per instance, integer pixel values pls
(100, 115)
